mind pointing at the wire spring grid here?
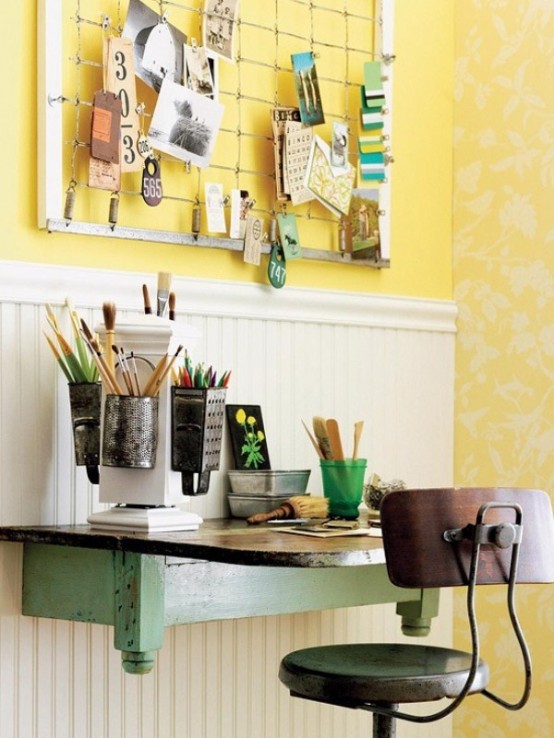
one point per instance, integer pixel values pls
(342, 35)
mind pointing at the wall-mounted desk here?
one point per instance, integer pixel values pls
(140, 583)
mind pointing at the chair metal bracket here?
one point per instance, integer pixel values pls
(502, 535)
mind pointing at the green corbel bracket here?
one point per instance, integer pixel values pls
(139, 609)
(125, 590)
(417, 614)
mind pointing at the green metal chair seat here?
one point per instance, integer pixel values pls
(379, 672)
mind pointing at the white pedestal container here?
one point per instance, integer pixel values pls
(146, 499)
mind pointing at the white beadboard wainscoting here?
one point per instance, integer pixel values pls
(297, 353)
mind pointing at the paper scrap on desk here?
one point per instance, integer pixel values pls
(320, 531)
(332, 186)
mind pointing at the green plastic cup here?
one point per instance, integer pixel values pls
(343, 484)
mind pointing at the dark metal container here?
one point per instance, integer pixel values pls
(85, 404)
(130, 436)
(197, 417)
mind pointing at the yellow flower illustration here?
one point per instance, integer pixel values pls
(252, 439)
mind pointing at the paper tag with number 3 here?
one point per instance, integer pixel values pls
(152, 192)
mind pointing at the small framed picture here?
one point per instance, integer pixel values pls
(200, 71)
(248, 440)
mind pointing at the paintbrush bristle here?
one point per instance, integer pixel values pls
(164, 281)
(86, 331)
(109, 312)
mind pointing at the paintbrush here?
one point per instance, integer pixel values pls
(135, 374)
(314, 442)
(107, 376)
(88, 367)
(71, 360)
(158, 369)
(146, 300)
(123, 369)
(162, 297)
(109, 311)
(59, 359)
(299, 506)
(172, 300)
(166, 371)
(322, 435)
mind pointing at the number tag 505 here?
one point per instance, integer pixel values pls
(152, 182)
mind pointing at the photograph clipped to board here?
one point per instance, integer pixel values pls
(185, 124)
(220, 27)
(158, 45)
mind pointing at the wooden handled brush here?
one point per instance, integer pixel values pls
(300, 506)
(108, 310)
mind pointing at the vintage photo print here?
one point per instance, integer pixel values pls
(307, 89)
(158, 45)
(220, 26)
(364, 217)
(185, 124)
(339, 146)
(200, 71)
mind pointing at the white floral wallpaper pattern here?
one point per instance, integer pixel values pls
(504, 285)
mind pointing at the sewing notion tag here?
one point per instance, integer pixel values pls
(253, 240)
(277, 268)
(152, 192)
(106, 127)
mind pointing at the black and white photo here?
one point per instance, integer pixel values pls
(200, 70)
(220, 25)
(158, 45)
(185, 124)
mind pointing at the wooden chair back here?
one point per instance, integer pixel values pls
(417, 555)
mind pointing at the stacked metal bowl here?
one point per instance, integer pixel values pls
(262, 491)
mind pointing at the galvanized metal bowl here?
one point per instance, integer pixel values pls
(269, 482)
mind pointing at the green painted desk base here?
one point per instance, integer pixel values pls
(139, 594)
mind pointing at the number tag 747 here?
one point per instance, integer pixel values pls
(152, 192)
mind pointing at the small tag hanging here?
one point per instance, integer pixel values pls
(69, 201)
(106, 127)
(277, 268)
(152, 192)
(253, 240)
(114, 209)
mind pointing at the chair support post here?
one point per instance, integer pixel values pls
(384, 726)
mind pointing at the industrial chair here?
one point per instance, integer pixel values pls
(435, 538)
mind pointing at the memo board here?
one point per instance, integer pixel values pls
(341, 34)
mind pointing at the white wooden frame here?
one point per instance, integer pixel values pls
(50, 146)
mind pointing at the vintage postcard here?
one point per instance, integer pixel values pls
(279, 118)
(199, 71)
(158, 45)
(332, 186)
(185, 124)
(307, 89)
(253, 236)
(290, 240)
(215, 211)
(364, 219)
(220, 27)
(339, 146)
(298, 144)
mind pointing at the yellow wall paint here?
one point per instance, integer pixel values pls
(504, 286)
(421, 217)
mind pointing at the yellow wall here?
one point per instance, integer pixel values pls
(504, 286)
(421, 223)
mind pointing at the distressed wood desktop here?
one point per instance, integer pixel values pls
(140, 583)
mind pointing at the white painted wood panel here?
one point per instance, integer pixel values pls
(296, 352)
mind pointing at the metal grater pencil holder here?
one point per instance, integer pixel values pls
(130, 435)
(85, 405)
(196, 431)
